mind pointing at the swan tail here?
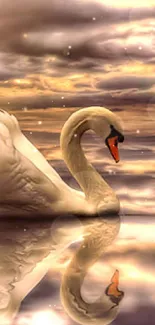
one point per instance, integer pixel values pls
(105, 309)
(11, 123)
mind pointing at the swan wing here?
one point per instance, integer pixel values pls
(26, 148)
(21, 177)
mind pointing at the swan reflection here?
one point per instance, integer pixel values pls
(26, 252)
(27, 249)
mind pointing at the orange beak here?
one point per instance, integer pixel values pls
(112, 290)
(115, 278)
(112, 144)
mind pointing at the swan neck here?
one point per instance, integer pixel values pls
(85, 174)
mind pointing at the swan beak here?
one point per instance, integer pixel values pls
(112, 290)
(112, 144)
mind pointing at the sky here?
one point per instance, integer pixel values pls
(89, 52)
(57, 57)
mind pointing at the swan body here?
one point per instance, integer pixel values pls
(29, 185)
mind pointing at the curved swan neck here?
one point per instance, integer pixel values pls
(70, 141)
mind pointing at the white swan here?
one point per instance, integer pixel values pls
(30, 185)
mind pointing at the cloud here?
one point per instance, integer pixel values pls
(63, 42)
(46, 99)
(45, 94)
(126, 82)
(82, 85)
(50, 32)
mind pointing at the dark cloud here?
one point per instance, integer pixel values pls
(126, 82)
(6, 75)
(46, 101)
(18, 67)
(56, 12)
(50, 33)
(81, 99)
(138, 97)
(67, 65)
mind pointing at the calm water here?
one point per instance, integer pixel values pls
(24, 244)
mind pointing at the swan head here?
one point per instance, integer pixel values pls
(112, 141)
(108, 126)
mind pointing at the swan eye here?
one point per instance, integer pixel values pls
(115, 133)
(121, 138)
